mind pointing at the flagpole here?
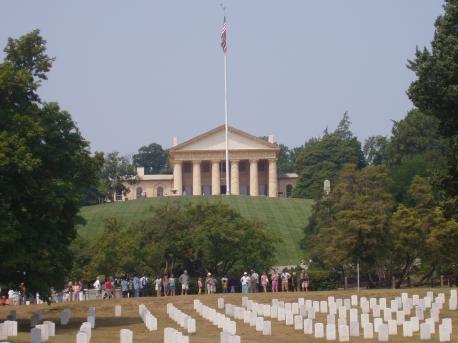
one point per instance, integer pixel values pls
(228, 187)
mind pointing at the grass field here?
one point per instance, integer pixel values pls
(284, 217)
(107, 326)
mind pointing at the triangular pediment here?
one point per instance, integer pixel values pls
(215, 140)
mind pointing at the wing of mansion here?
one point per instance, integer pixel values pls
(199, 168)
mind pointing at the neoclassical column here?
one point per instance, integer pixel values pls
(273, 178)
(196, 178)
(235, 184)
(216, 183)
(177, 177)
(254, 182)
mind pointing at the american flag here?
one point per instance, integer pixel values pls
(223, 36)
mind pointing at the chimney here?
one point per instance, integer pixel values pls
(140, 171)
(175, 141)
(271, 139)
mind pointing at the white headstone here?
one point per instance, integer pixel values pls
(51, 328)
(308, 326)
(368, 331)
(354, 300)
(444, 333)
(431, 323)
(330, 332)
(400, 317)
(259, 324)
(425, 331)
(344, 333)
(383, 333)
(377, 323)
(35, 336)
(319, 330)
(118, 310)
(289, 318)
(354, 329)
(267, 328)
(407, 329)
(392, 327)
(126, 336)
(91, 320)
(220, 303)
(298, 323)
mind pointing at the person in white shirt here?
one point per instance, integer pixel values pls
(245, 281)
(284, 280)
(97, 286)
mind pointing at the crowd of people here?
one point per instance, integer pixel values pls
(169, 285)
(128, 286)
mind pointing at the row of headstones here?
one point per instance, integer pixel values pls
(409, 327)
(146, 316)
(249, 317)
(333, 305)
(228, 326)
(182, 319)
(8, 329)
(42, 332)
(172, 335)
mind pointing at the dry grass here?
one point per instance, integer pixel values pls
(107, 326)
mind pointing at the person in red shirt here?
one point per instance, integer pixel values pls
(109, 288)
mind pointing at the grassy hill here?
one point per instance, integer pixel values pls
(284, 217)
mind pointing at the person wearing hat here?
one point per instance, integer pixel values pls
(245, 281)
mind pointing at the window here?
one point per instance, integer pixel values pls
(139, 192)
(289, 190)
(262, 166)
(160, 191)
(242, 166)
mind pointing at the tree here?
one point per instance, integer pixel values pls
(375, 150)
(115, 174)
(324, 158)
(44, 162)
(415, 148)
(435, 92)
(199, 237)
(351, 225)
(153, 158)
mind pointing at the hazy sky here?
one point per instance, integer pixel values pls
(136, 72)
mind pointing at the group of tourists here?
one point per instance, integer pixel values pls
(169, 285)
(129, 286)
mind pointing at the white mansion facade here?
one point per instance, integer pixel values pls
(199, 168)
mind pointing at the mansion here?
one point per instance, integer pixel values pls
(199, 168)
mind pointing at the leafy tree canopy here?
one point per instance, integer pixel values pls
(200, 237)
(44, 162)
(323, 159)
(153, 158)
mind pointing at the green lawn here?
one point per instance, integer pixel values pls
(284, 217)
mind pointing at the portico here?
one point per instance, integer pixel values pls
(253, 165)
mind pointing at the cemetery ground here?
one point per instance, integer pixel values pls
(107, 326)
